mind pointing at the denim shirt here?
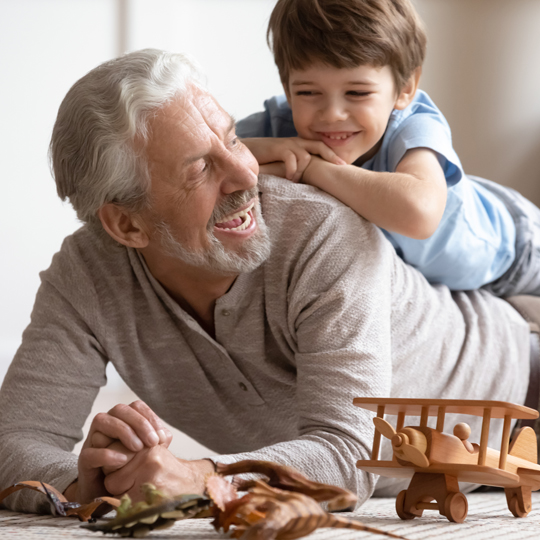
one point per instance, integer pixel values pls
(474, 243)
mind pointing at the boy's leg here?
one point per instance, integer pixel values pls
(523, 276)
(529, 308)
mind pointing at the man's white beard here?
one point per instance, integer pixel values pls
(251, 254)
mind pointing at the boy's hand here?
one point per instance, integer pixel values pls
(316, 172)
(293, 152)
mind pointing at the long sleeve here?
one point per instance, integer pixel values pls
(46, 397)
(331, 315)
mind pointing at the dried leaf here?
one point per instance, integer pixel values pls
(220, 490)
(286, 515)
(238, 512)
(60, 506)
(289, 479)
(139, 519)
(33, 485)
(85, 512)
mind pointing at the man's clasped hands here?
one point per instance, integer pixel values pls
(127, 447)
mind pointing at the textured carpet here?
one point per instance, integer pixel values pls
(488, 518)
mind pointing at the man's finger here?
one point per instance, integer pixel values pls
(100, 440)
(116, 428)
(165, 436)
(95, 458)
(123, 479)
(137, 422)
(117, 446)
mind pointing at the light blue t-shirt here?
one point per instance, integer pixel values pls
(474, 243)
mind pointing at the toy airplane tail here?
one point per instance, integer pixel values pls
(524, 445)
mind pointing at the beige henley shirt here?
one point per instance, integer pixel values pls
(333, 314)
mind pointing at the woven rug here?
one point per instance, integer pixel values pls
(488, 518)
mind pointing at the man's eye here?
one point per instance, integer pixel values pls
(201, 166)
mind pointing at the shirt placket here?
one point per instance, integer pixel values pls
(224, 320)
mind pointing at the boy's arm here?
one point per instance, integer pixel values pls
(294, 153)
(409, 202)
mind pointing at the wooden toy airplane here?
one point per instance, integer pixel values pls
(437, 461)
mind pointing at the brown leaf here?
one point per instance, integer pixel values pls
(287, 478)
(60, 506)
(221, 491)
(33, 485)
(86, 511)
(287, 515)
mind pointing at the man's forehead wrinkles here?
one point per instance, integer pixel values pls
(198, 122)
(217, 119)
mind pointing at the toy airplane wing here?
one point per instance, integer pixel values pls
(473, 474)
(432, 407)
(423, 449)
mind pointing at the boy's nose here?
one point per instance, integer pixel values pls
(333, 111)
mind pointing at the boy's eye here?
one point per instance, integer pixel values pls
(305, 93)
(357, 93)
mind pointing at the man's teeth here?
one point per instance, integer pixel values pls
(243, 215)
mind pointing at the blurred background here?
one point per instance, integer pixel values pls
(482, 70)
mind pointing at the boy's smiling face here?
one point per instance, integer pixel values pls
(347, 109)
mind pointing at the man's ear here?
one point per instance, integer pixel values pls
(408, 92)
(125, 227)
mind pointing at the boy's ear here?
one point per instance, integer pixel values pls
(125, 227)
(408, 92)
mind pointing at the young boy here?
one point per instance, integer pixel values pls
(354, 124)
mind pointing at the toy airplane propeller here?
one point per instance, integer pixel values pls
(436, 461)
(409, 444)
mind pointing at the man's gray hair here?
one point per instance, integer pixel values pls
(97, 144)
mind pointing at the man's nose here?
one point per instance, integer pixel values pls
(333, 110)
(239, 172)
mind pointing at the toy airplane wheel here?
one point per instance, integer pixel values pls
(456, 507)
(516, 509)
(400, 507)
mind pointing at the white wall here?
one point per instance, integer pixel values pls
(482, 69)
(46, 46)
(227, 37)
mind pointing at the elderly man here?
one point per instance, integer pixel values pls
(251, 335)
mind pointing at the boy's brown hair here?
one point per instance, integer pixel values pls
(347, 34)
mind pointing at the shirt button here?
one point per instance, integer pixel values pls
(225, 312)
(243, 386)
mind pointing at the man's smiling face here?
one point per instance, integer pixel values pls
(204, 206)
(347, 109)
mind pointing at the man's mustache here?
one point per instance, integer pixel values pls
(230, 204)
